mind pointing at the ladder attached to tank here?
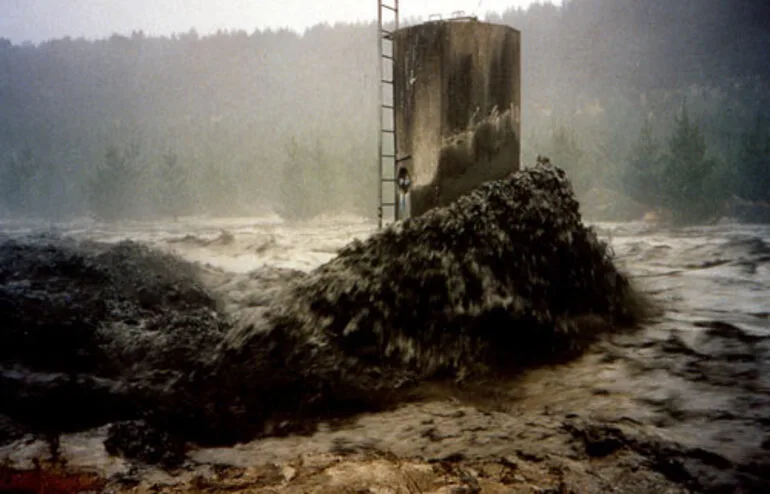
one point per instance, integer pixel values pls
(387, 24)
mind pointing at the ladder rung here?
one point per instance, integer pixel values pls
(387, 177)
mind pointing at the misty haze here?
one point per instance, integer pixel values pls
(134, 126)
(195, 295)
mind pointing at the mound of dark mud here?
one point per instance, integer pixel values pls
(91, 332)
(506, 277)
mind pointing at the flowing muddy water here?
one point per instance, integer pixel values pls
(682, 404)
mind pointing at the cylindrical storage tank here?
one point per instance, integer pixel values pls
(457, 108)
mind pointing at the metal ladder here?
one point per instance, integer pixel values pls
(387, 15)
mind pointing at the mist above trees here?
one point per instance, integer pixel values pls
(664, 102)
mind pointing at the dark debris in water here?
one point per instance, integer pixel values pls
(142, 441)
(508, 276)
(93, 333)
(59, 300)
(505, 278)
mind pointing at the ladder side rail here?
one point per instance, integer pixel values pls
(385, 109)
(396, 212)
(380, 113)
(396, 12)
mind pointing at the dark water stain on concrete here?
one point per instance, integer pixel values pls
(457, 93)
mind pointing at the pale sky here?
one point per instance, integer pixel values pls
(39, 20)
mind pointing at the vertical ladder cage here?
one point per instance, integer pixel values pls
(387, 16)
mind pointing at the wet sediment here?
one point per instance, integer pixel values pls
(502, 276)
(506, 277)
(277, 351)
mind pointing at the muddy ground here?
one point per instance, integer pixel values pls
(677, 404)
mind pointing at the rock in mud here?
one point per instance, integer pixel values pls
(138, 439)
(506, 277)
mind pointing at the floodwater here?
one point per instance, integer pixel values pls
(683, 403)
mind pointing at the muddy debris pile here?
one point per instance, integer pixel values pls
(93, 333)
(506, 277)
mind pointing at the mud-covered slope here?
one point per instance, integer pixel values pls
(508, 276)
(93, 333)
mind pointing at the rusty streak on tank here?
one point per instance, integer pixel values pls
(458, 99)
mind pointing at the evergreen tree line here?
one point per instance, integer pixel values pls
(236, 122)
(676, 172)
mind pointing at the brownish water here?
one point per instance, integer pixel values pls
(684, 403)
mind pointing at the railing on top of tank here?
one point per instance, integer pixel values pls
(457, 15)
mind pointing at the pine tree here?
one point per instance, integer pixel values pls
(564, 150)
(310, 182)
(112, 190)
(641, 179)
(754, 163)
(686, 172)
(18, 185)
(296, 194)
(172, 186)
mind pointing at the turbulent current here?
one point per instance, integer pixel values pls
(267, 323)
